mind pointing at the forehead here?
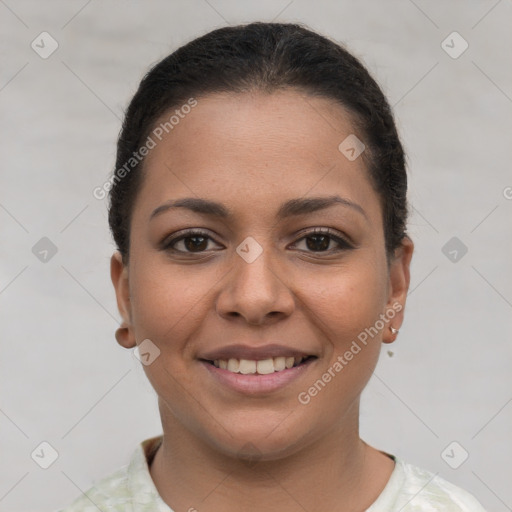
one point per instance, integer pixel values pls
(255, 150)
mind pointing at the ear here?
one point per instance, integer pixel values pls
(399, 280)
(119, 275)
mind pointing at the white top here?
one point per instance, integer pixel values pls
(409, 489)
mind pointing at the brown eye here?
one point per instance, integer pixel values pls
(195, 243)
(319, 242)
(188, 242)
(322, 239)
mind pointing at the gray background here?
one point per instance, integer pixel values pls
(64, 379)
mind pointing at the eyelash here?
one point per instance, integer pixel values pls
(168, 243)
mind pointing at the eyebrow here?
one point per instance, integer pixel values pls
(293, 207)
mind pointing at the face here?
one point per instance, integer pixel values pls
(289, 263)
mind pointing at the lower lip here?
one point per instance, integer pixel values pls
(256, 384)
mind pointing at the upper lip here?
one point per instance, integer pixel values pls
(253, 353)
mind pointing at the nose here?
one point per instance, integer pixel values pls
(257, 291)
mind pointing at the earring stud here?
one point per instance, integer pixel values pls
(393, 330)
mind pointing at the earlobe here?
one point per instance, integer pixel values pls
(390, 336)
(399, 280)
(124, 336)
(119, 276)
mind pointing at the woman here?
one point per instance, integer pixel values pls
(259, 211)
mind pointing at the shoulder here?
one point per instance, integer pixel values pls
(128, 488)
(110, 493)
(414, 489)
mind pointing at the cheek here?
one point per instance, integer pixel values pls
(168, 305)
(342, 308)
(169, 302)
(343, 302)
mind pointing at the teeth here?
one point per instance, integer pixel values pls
(279, 363)
(233, 365)
(262, 367)
(265, 366)
(247, 366)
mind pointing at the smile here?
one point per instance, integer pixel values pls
(257, 377)
(260, 367)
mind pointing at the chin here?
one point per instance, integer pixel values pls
(260, 442)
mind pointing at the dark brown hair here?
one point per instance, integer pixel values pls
(267, 57)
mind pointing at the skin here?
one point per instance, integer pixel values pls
(252, 152)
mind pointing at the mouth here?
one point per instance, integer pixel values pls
(257, 370)
(259, 366)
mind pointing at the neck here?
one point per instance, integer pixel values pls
(338, 467)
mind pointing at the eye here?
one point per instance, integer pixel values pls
(188, 242)
(320, 239)
(196, 242)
